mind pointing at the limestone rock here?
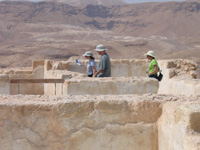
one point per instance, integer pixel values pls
(48, 65)
(99, 122)
(37, 63)
(57, 66)
(172, 73)
(170, 64)
(193, 74)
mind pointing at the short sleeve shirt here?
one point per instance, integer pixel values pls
(105, 66)
(90, 64)
(151, 65)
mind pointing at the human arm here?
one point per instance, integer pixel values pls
(94, 70)
(96, 73)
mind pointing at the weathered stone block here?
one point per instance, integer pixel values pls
(110, 86)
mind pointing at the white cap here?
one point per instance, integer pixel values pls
(88, 53)
(101, 48)
(150, 53)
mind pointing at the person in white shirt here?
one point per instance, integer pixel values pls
(91, 66)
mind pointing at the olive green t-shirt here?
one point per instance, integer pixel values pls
(152, 63)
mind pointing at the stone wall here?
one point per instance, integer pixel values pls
(148, 122)
(28, 88)
(120, 68)
(36, 72)
(179, 126)
(57, 89)
(180, 77)
(129, 68)
(181, 87)
(78, 123)
(110, 86)
(4, 84)
(77, 83)
(57, 70)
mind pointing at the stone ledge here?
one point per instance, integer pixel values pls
(110, 86)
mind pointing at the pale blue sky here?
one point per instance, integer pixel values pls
(142, 1)
(129, 1)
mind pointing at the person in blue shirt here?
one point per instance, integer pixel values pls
(91, 66)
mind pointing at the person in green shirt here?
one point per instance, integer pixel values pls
(153, 65)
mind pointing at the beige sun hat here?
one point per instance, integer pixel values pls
(88, 53)
(150, 53)
(100, 48)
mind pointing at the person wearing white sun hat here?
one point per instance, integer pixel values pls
(104, 66)
(91, 66)
(153, 65)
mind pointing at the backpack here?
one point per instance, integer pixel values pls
(160, 76)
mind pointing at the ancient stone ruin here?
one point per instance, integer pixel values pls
(54, 106)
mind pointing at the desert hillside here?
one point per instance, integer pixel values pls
(92, 2)
(50, 30)
(84, 2)
(172, 19)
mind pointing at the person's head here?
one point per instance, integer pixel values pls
(88, 55)
(101, 49)
(150, 55)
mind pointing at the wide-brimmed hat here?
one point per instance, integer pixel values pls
(100, 48)
(150, 53)
(88, 53)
